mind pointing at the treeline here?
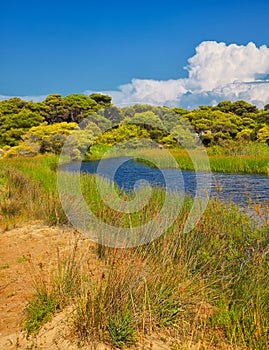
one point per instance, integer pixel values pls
(27, 128)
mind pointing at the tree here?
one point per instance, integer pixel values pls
(113, 114)
(14, 126)
(242, 107)
(184, 136)
(245, 135)
(239, 107)
(101, 99)
(225, 106)
(148, 120)
(81, 140)
(53, 109)
(170, 118)
(122, 133)
(263, 134)
(137, 108)
(262, 118)
(249, 123)
(226, 123)
(215, 125)
(12, 106)
(201, 121)
(50, 138)
(180, 111)
(78, 106)
(151, 122)
(102, 122)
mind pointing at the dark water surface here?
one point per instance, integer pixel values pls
(128, 174)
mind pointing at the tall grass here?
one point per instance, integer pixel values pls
(209, 285)
(240, 148)
(240, 159)
(237, 164)
(240, 164)
(29, 192)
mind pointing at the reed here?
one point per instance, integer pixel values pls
(253, 160)
(237, 164)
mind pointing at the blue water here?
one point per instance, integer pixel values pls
(129, 175)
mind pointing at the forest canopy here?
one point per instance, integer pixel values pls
(28, 128)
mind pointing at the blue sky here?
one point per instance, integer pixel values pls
(80, 46)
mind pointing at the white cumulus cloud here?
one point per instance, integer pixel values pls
(148, 91)
(216, 64)
(216, 72)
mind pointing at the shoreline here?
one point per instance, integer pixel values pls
(237, 165)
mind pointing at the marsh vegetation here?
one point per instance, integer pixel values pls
(208, 285)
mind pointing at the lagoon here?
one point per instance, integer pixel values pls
(129, 175)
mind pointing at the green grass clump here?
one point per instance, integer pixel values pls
(4, 266)
(40, 310)
(123, 329)
(22, 259)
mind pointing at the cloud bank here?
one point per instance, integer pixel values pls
(216, 72)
